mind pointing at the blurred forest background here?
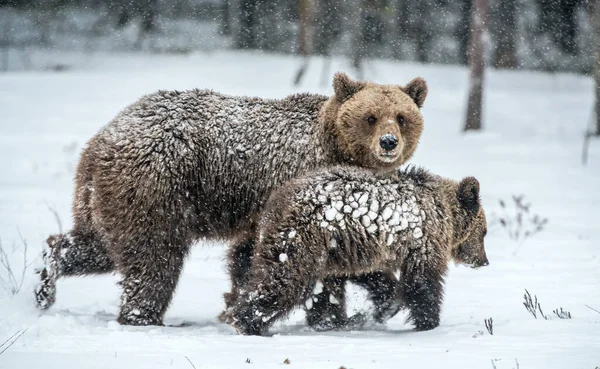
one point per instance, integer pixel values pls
(546, 35)
(549, 35)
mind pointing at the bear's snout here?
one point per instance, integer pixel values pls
(481, 263)
(388, 142)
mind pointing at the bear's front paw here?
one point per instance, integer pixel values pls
(248, 328)
(355, 322)
(247, 320)
(137, 318)
(426, 323)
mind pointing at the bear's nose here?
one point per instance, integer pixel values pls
(388, 142)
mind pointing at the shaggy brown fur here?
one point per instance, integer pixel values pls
(347, 222)
(175, 167)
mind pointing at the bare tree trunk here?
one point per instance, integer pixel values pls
(147, 10)
(476, 63)
(269, 24)
(462, 31)
(567, 26)
(355, 10)
(596, 27)
(246, 35)
(305, 15)
(327, 25)
(5, 44)
(393, 34)
(226, 18)
(506, 30)
(423, 28)
(558, 19)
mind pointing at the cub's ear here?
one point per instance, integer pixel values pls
(468, 194)
(344, 87)
(417, 90)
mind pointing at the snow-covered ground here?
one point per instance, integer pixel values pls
(531, 145)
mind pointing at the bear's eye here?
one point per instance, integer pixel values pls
(371, 119)
(400, 120)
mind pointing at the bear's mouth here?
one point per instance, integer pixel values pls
(388, 156)
(478, 264)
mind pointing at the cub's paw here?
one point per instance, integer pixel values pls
(355, 322)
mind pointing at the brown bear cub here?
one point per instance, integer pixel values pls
(179, 166)
(347, 222)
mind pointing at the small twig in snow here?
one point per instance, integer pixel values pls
(192, 364)
(8, 280)
(9, 338)
(25, 265)
(13, 341)
(489, 325)
(517, 361)
(562, 314)
(533, 305)
(589, 307)
(56, 217)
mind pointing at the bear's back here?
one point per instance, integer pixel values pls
(365, 220)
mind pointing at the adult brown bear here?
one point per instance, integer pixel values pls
(175, 167)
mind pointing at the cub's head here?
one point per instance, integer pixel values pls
(377, 126)
(469, 247)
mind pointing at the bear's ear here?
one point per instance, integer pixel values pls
(417, 90)
(468, 194)
(344, 87)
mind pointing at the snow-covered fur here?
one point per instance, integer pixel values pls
(175, 167)
(346, 222)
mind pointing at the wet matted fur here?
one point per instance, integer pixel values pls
(178, 166)
(347, 222)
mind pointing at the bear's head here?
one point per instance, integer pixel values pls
(376, 126)
(470, 226)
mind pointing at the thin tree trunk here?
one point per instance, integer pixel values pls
(462, 31)
(397, 28)
(356, 22)
(506, 29)
(5, 44)
(596, 29)
(567, 29)
(226, 18)
(305, 14)
(246, 37)
(423, 30)
(476, 63)
(327, 25)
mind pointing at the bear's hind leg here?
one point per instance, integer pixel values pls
(150, 275)
(73, 254)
